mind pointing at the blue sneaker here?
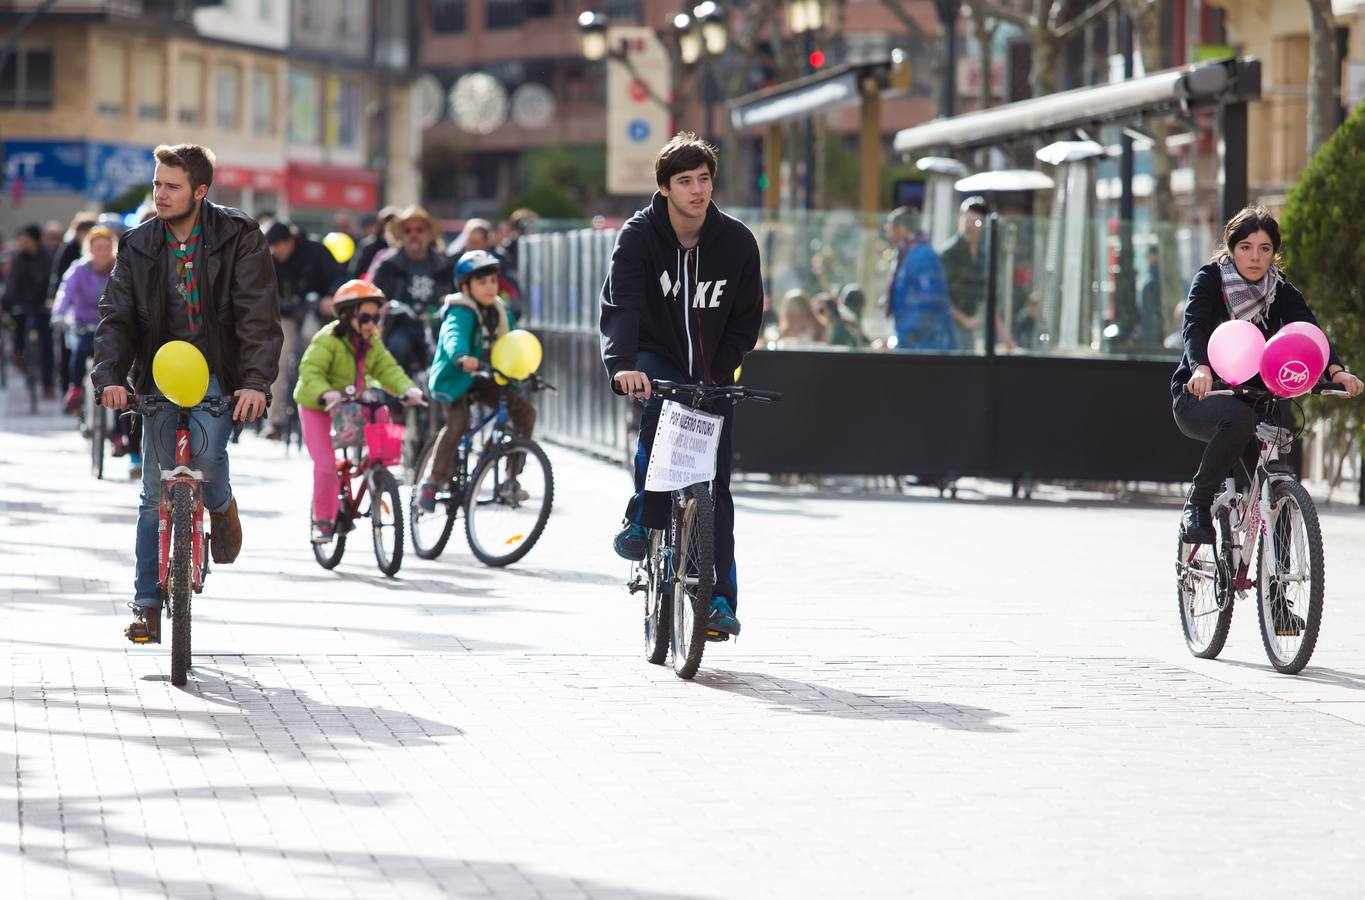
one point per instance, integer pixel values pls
(631, 542)
(722, 618)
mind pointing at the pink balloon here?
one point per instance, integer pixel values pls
(1291, 364)
(1235, 350)
(1312, 331)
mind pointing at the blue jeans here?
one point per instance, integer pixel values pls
(651, 508)
(208, 454)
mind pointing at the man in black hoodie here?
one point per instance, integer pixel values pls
(683, 302)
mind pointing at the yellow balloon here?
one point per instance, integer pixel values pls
(181, 373)
(738, 369)
(516, 354)
(341, 245)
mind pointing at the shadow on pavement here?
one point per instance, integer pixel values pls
(807, 699)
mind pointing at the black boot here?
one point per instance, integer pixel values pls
(1196, 522)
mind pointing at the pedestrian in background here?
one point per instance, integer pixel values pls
(916, 292)
(26, 301)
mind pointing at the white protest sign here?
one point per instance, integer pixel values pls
(685, 446)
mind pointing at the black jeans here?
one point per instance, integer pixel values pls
(1228, 425)
(651, 509)
(41, 324)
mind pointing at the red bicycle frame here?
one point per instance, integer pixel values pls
(182, 474)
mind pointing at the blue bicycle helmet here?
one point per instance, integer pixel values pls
(475, 262)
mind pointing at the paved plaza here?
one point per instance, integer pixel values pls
(931, 698)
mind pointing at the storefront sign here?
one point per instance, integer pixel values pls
(333, 187)
(99, 172)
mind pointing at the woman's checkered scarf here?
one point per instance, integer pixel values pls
(1248, 300)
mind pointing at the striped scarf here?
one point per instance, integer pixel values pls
(189, 278)
(1249, 300)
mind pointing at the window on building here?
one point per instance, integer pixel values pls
(304, 124)
(623, 10)
(26, 82)
(349, 18)
(227, 97)
(263, 103)
(540, 9)
(111, 87)
(190, 91)
(448, 16)
(505, 13)
(149, 83)
(264, 9)
(344, 118)
(310, 15)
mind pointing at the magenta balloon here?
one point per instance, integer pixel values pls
(1312, 331)
(1235, 350)
(1291, 364)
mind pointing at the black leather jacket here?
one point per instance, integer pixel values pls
(241, 304)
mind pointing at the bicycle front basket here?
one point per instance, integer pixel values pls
(348, 425)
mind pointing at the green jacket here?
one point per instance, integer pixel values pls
(329, 364)
(462, 334)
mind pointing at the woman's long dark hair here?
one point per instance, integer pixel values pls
(1245, 223)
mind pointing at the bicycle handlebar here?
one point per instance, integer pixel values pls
(733, 392)
(533, 381)
(1223, 389)
(151, 404)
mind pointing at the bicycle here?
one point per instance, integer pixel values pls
(363, 469)
(681, 558)
(506, 498)
(183, 562)
(1274, 521)
(95, 426)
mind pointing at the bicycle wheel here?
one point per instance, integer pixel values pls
(431, 530)
(1203, 594)
(97, 424)
(180, 579)
(1289, 587)
(386, 521)
(507, 502)
(658, 599)
(329, 555)
(692, 536)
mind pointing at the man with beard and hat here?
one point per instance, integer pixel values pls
(414, 270)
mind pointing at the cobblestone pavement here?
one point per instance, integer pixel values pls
(979, 698)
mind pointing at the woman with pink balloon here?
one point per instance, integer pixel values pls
(1248, 325)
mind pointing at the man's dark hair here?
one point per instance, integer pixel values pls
(280, 230)
(196, 160)
(33, 230)
(683, 153)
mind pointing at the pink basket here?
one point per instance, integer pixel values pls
(385, 442)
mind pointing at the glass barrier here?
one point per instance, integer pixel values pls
(837, 280)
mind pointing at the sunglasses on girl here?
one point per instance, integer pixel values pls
(366, 318)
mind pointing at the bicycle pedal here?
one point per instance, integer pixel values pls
(717, 636)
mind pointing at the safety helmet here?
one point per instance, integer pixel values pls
(475, 262)
(353, 293)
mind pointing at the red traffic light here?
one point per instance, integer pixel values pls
(817, 59)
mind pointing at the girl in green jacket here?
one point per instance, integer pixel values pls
(472, 320)
(333, 362)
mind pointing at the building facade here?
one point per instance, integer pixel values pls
(92, 90)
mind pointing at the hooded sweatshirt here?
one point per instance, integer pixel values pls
(467, 329)
(698, 307)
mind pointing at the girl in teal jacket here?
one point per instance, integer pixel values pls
(471, 321)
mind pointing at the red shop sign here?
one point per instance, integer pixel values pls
(333, 187)
(245, 177)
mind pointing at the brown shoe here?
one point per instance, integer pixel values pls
(225, 538)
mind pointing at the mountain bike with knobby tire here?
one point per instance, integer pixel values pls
(363, 473)
(183, 560)
(1273, 523)
(503, 483)
(677, 575)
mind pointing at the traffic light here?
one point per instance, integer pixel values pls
(816, 59)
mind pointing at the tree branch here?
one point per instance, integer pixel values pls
(912, 25)
(1003, 13)
(1080, 21)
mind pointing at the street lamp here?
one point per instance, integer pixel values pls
(805, 15)
(689, 38)
(713, 31)
(592, 36)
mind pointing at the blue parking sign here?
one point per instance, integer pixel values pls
(638, 130)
